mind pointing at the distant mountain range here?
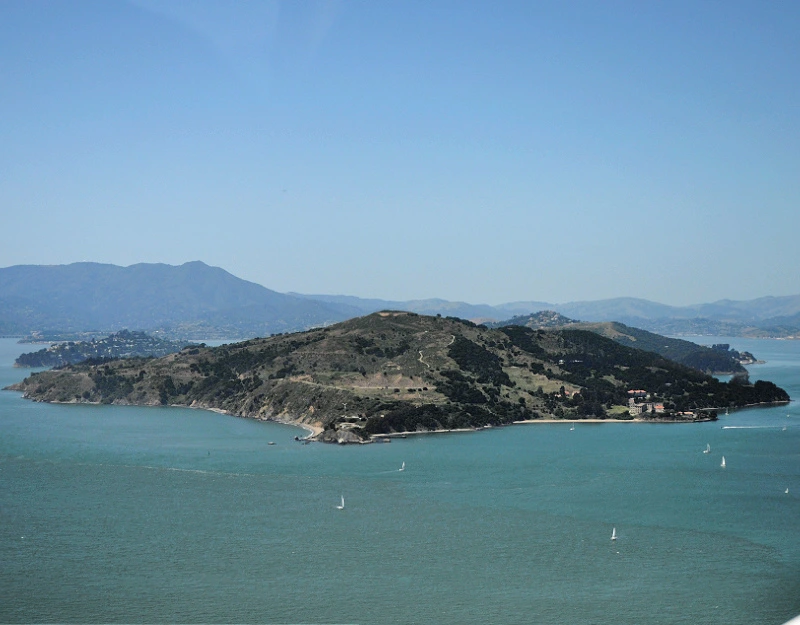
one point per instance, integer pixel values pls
(777, 317)
(190, 300)
(196, 301)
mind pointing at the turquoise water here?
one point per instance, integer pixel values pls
(121, 514)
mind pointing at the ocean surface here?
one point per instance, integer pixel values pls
(148, 515)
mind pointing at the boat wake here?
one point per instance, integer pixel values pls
(752, 427)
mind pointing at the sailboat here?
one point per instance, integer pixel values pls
(787, 491)
(572, 428)
(707, 449)
(341, 507)
(614, 534)
(402, 468)
(722, 464)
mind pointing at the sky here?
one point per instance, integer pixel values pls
(485, 152)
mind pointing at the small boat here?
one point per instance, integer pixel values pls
(403, 467)
(572, 428)
(271, 443)
(614, 534)
(707, 450)
(722, 464)
(341, 506)
(787, 491)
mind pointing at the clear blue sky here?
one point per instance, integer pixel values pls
(478, 151)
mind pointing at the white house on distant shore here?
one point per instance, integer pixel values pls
(635, 408)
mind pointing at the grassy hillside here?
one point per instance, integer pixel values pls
(711, 361)
(396, 371)
(685, 352)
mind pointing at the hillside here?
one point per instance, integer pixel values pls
(397, 371)
(712, 361)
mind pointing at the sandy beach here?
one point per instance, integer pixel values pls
(313, 429)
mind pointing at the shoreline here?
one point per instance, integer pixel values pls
(534, 421)
(634, 420)
(417, 432)
(314, 430)
(530, 421)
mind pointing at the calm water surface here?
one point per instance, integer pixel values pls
(122, 514)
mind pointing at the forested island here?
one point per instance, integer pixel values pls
(124, 344)
(393, 372)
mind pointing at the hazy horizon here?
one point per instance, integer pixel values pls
(547, 151)
(464, 301)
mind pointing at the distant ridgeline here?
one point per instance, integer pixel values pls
(719, 359)
(123, 344)
(395, 372)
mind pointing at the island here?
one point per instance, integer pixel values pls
(396, 372)
(124, 344)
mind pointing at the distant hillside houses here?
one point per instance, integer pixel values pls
(636, 406)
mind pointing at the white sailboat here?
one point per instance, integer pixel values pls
(722, 464)
(572, 428)
(707, 449)
(341, 506)
(403, 467)
(787, 491)
(614, 534)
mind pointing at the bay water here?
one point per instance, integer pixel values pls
(142, 515)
